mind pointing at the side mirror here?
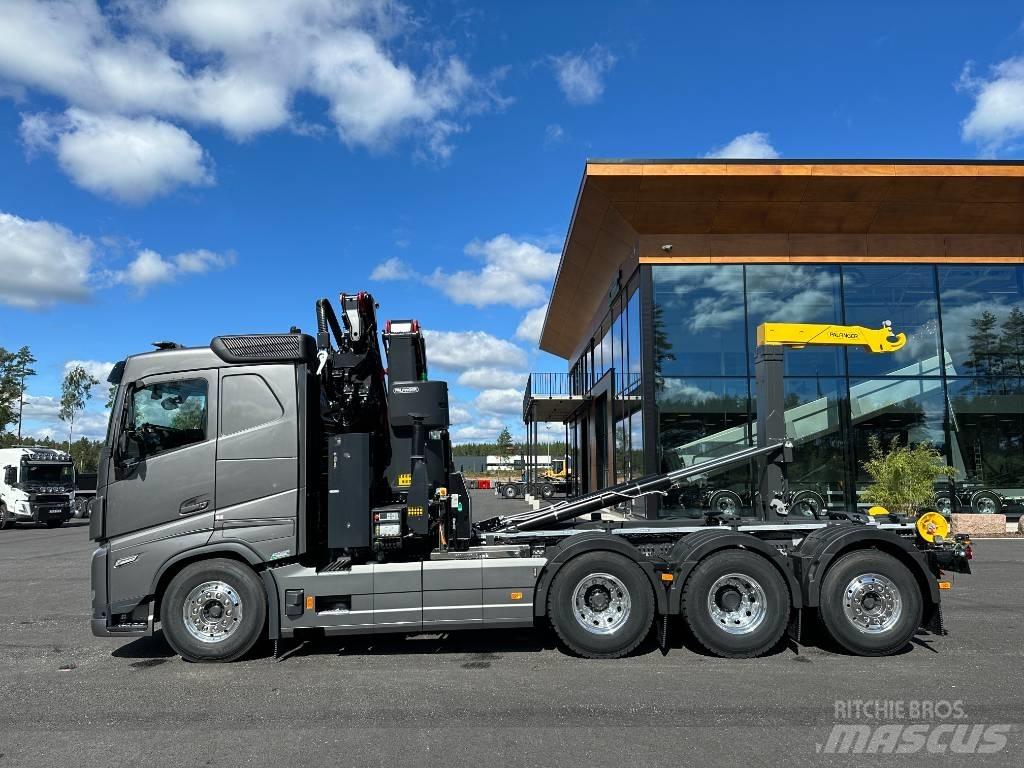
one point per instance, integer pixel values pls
(10, 475)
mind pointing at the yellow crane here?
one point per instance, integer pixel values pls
(799, 335)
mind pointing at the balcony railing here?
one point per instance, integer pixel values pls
(540, 385)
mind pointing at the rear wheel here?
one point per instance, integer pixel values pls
(509, 491)
(946, 504)
(808, 504)
(601, 605)
(986, 503)
(870, 603)
(726, 503)
(213, 611)
(736, 604)
(6, 518)
(547, 491)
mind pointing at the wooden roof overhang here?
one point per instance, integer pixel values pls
(699, 211)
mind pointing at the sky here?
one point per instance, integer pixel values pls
(179, 169)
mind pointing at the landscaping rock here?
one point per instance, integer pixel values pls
(980, 525)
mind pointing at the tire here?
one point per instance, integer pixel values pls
(6, 518)
(509, 491)
(946, 504)
(809, 504)
(223, 585)
(547, 491)
(601, 605)
(54, 522)
(986, 503)
(889, 622)
(725, 503)
(736, 604)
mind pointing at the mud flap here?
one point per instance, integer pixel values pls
(795, 628)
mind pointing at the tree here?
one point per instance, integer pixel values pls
(75, 391)
(1013, 343)
(505, 445)
(903, 477)
(8, 390)
(20, 370)
(985, 358)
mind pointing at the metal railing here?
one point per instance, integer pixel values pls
(541, 385)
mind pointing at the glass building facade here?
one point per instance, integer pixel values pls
(675, 353)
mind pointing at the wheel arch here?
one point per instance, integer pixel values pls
(227, 551)
(821, 549)
(690, 551)
(596, 541)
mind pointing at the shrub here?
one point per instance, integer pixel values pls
(903, 476)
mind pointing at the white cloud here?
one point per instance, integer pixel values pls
(997, 120)
(515, 272)
(553, 134)
(505, 402)
(42, 419)
(242, 66)
(42, 263)
(131, 159)
(392, 269)
(532, 324)
(474, 434)
(459, 415)
(95, 368)
(462, 350)
(747, 146)
(149, 268)
(581, 75)
(491, 378)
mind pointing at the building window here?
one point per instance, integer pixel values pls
(699, 321)
(983, 320)
(701, 419)
(797, 293)
(906, 296)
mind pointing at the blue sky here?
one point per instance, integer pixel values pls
(175, 170)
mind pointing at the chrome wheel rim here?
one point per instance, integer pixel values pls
(986, 506)
(944, 504)
(872, 603)
(601, 604)
(726, 504)
(737, 604)
(212, 612)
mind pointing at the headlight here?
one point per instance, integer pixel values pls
(24, 508)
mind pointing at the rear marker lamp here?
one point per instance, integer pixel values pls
(945, 585)
(667, 577)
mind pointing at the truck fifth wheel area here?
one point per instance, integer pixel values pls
(287, 485)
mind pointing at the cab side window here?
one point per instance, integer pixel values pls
(168, 415)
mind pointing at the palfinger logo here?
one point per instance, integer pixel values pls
(933, 738)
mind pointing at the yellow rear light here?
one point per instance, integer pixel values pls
(945, 585)
(667, 577)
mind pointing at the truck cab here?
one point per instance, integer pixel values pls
(37, 485)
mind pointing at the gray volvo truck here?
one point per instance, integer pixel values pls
(285, 485)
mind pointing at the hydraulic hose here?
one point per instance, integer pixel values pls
(325, 318)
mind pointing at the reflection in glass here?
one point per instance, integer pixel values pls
(796, 293)
(906, 296)
(908, 410)
(986, 426)
(701, 419)
(699, 321)
(983, 320)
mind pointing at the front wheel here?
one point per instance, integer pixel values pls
(509, 492)
(870, 603)
(736, 604)
(6, 518)
(601, 605)
(213, 610)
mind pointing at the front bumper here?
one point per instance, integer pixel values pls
(42, 512)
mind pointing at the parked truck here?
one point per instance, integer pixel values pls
(37, 485)
(286, 486)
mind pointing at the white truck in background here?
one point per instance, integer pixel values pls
(37, 485)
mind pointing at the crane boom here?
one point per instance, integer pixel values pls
(799, 335)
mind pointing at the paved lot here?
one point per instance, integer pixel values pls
(477, 698)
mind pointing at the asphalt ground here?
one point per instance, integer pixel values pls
(484, 698)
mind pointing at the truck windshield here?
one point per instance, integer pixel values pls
(49, 474)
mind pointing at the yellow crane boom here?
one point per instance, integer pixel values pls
(799, 335)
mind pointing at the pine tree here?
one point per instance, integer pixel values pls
(21, 369)
(984, 357)
(1012, 343)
